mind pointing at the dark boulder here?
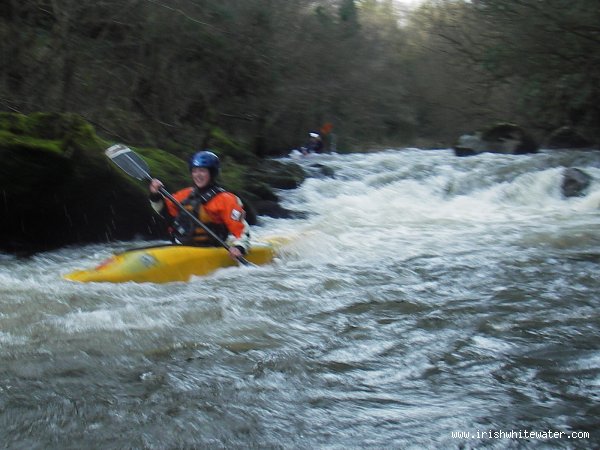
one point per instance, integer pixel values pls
(506, 138)
(278, 175)
(575, 182)
(464, 151)
(273, 209)
(321, 171)
(567, 137)
(260, 182)
(58, 187)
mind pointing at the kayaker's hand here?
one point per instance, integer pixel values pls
(155, 185)
(235, 252)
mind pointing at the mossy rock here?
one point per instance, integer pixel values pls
(278, 175)
(222, 144)
(44, 162)
(262, 179)
(260, 191)
(171, 170)
(60, 189)
(15, 123)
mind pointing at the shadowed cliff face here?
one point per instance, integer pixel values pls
(59, 189)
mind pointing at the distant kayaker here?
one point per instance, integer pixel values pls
(218, 209)
(314, 143)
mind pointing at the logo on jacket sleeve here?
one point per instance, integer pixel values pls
(236, 215)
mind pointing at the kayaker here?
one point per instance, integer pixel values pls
(218, 209)
(314, 144)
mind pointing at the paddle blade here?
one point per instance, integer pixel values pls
(129, 161)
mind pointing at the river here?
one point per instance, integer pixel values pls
(418, 295)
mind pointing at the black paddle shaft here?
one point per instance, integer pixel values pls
(132, 164)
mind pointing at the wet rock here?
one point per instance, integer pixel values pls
(272, 209)
(318, 170)
(60, 189)
(575, 182)
(277, 174)
(468, 145)
(503, 138)
(260, 183)
(567, 137)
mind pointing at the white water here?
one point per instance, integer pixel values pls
(422, 294)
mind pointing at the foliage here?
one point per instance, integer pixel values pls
(530, 62)
(257, 74)
(169, 74)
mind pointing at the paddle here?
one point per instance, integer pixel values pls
(132, 164)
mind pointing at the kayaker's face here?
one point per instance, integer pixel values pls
(201, 176)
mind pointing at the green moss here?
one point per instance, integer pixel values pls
(9, 140)
(171, 170)
(52, 131)
(15, 123)
(47, 125)
(232, 175)
(221, 143)
(59, 188)
(30, 165)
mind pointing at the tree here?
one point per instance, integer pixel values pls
(528, 61)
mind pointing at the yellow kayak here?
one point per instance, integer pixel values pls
(166, 263)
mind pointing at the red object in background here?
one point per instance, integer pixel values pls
(326, 128)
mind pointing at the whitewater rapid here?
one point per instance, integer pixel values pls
(415, 294)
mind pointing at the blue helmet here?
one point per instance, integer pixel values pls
(207, 159)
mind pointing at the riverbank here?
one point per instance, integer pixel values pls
(59, 189)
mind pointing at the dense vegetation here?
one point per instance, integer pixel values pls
(175, 73)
